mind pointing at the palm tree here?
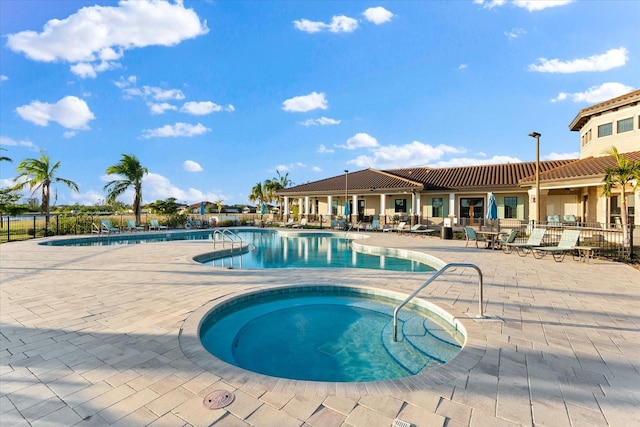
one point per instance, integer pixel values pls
(625, 172)
(257, 193)
(4, 158)
(131, 173)
(39, 174)
(280, 183)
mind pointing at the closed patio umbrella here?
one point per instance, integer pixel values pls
(492, 208)
(201, 208)
(263, 209)
(346, 209)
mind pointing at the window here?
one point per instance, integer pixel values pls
(510, 207)
(605, 130)
(400, 205)
(625, 125)
(436, 207)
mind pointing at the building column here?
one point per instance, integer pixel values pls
(383, 209)
(285, 214)
(354, 210)
(452, 208)
(329, 204)
(306, 205)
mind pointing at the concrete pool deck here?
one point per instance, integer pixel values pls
(89, 336)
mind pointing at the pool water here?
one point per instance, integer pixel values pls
(308, 250)
(326, 337)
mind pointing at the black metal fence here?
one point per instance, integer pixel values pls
(607, 240)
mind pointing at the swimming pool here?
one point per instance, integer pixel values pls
(309, 250)
(272, 249)
(328, 333)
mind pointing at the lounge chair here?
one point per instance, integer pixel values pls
(523, 249)
(289, 223)
(131, 226)
(154, 225)
(302, 224)
(375, 226)
(402, 226)
(568, 241)
(471, 235)
(553, 221)
(421, 230)
(570, 220)
(507, 239)
(105, 227)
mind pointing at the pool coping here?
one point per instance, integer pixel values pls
(469, 356)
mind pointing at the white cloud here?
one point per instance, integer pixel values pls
(179, 129)
(613, 58)
(69, 134)
(70, 112)
(463, 67)
(322, 121)
(470, 161)
(158, 187)
(160, 108)
(530, 5)
(89, 198)
(322, 149)
(96, 36)
(123, 83)
(155, 93)
(316, 169)
(204, 107)
(561, 156)
(304, 103)
(533, 5)
(515, 33)
(395, 156)
(338, 24)
(5, 140)
(378, 15)
(191, 166)
(360, 140)
(3, 78)
(596, 94)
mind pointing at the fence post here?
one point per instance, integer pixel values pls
(34, 227)
(631, 227)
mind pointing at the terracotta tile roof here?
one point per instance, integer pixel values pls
(585, 114)
(462, 178)
(506, 175)
(590, 167)
(368, 179)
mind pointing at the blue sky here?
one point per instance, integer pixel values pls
(215, 96)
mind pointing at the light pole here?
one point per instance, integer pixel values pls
(346, 195)
(537, 136)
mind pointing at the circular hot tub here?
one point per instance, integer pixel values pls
(330, 333)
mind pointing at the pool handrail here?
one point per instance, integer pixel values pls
(232, 237)
(431, 279)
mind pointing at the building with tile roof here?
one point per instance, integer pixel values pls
(432, 196)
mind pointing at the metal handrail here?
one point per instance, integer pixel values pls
(230, 235)
(427, 282)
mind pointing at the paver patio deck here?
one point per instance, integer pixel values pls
(89, 336)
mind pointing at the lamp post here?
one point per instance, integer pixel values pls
(346, 194)
(536, 135)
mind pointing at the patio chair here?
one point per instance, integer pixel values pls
(154, 225)
(568, 240)
(302, 224)
(553, 221)
(402, 226)
(289, 223)
(421, 230)
(131, 226)
(105, 227)
(570, 220)
(507, 238)
(471, 235)
(375, 226)
(523, 249)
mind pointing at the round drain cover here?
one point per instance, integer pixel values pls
(218, 399)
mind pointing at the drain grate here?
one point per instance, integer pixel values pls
(401, 423)
(218, 399)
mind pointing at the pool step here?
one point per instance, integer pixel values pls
(430, 338)
(403, 351)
